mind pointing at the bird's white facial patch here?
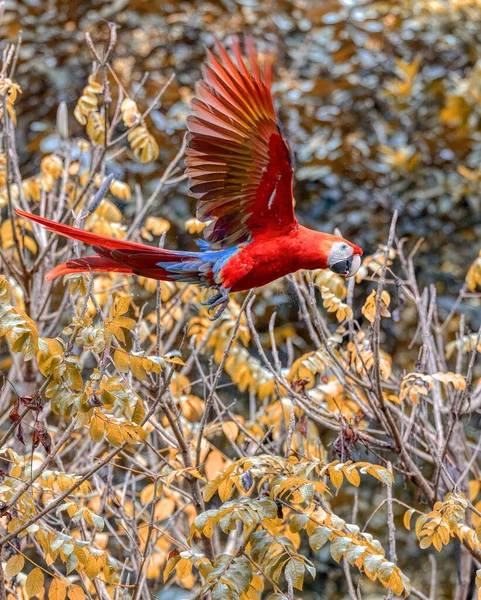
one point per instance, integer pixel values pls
(339, 251)
(342, 260)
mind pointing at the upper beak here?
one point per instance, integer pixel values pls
(348, 267)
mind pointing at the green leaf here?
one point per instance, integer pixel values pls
(385, 570)
(307, 491)
(372, 562)
(221, 591)
(294, 573)
(338, 546)
(354, 553)
(71, 565)
(57, 542)
(240, 574)
(298, 522)
(97, 520)
(319, 537)
(269, 507)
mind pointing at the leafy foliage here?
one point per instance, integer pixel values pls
(276, 449)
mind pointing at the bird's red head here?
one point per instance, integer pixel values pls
(344, 258)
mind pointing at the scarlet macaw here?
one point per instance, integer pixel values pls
(240, 170)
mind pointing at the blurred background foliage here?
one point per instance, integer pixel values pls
(379, 100)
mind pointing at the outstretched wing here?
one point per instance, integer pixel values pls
(238, 163)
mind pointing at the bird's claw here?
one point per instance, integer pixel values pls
(219, 311)
(211, 300)
(221, 300)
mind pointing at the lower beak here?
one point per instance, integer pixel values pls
(348, 267)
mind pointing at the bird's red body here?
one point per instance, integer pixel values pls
(279, 255)
(240, 170)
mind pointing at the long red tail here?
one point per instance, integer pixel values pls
(116, 256)
(86, 236)
(87, 263)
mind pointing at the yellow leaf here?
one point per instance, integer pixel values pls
(456, 111)
(214, 464)
(121, 360)
(189, 582)
(352, 476)
(407, 73)
(164, 508)
(114, 434)
(92, 568)
(225, 489)
(58, 589)
(124, 322)
(143, 144)
(120, 306)
(369, 308)
(194, 226)
(335, 304)
(474, 487)
(395, 583)
(147, 494)
(51, 165)
(336, 477)
(96, 128)
(136, 364)
(175, 360)
(14, 565)
(455, 379)
(183, 568)
(157, 225)
(75, 592)
(473, 276)
(437, 543)
(34, 582)
(419, 524)
(407, 518)
(120, 189)
(171, 563)
(97, 428)
(230, 429)
(130, 112)
(139, 413)
(425, 542)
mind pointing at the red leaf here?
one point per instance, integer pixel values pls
(42, 436)
(31, 403)
(14, 416)
(19, 434)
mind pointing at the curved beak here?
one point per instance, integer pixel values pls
(348, 267)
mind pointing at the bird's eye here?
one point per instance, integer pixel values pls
(344, 246)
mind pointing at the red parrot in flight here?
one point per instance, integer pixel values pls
(240, 170)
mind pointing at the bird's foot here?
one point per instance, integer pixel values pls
(212, 300)
(221, 300)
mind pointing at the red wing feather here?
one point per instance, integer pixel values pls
(238, 163)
